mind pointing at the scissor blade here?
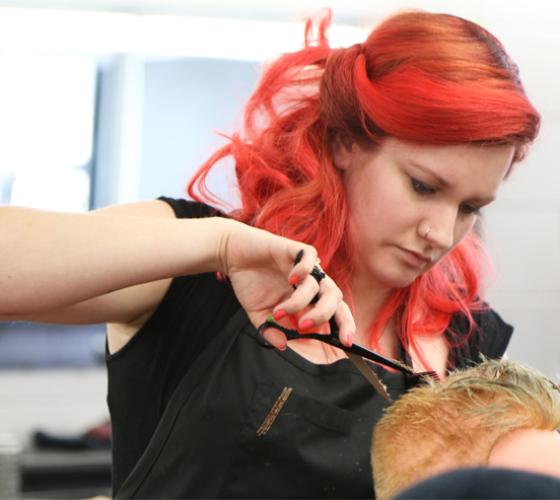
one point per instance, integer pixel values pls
(369, 374)
(378, 358)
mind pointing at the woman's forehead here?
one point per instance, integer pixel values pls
(450, 164)
(478, 151)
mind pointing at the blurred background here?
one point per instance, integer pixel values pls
(105, 101)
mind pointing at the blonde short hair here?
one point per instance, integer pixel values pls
(456, 422)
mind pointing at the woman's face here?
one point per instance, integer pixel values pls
(410, 203)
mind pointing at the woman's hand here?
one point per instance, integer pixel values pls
(264, 268)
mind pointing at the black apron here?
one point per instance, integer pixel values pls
(211, 442)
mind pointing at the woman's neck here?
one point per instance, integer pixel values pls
(367, 301)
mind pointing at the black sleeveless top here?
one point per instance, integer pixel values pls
(200, 409)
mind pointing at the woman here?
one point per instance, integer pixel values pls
(376, 159)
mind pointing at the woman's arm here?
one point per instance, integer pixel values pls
(51, 260)
(115, 265)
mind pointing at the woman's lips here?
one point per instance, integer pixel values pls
(414, 259)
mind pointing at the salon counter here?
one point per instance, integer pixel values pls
(65, 474)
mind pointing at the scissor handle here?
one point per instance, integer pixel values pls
(294, 334)
(333, 339)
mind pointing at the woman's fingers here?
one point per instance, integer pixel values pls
(301, 297)
(275, 338)
(330, 298)
(304, 260)
(322, 312)
(330, 303)
(346, 324)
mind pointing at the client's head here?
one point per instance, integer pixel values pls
(462, 421)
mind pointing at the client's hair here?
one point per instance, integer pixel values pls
(456, 422)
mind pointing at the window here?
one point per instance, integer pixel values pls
(47, 123)
(47, 120)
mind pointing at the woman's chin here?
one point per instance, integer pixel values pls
(396, 279)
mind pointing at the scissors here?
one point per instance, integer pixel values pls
(357, 354)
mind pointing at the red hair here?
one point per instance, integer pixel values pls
(432, 78)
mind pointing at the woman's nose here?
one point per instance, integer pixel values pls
(439, 229)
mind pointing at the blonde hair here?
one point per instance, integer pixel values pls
(456, 422)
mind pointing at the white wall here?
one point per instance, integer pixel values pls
(524, 225)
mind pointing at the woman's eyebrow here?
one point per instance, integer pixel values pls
(430, 172)
(483, 201)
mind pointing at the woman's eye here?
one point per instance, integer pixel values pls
(470, 209)
(421, 187)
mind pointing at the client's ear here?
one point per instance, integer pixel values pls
(343, 152)
(536, 450)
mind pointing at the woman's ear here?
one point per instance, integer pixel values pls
(343, 152)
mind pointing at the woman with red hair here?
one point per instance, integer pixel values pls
(375, 159)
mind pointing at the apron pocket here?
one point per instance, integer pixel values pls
(295, 414)
(293, 445)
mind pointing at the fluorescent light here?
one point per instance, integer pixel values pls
(156, 35)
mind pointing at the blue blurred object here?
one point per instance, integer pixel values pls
(41, 345)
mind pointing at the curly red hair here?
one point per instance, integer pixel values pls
(432, 78)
